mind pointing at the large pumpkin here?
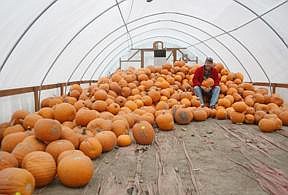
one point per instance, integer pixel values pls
(100, 124)
(221, 114)
(107, 139)
(200, 115)
(237, 117)
(91, 147)
(47, 130)
(165, 121)
(240, 106)
(143, 133)
(46, 112)
(64, 112)
(7, 160)
(29, 144)
(41, 165)
(16, 181)
(120, 127)
(75, 171)
(268, 125)
(55, 148)
(284, 117)
(13, 129)
(84, 116)
(69, 153)
(10, 141)
(183, 116)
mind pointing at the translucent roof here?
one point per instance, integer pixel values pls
(50, 41)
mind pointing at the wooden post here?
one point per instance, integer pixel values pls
(174, 55)
(274, 89)
(61, 89)
(36, 99)
(142, 58)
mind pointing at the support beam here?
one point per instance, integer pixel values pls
(36, 99)
(142, 58)
(174, 53)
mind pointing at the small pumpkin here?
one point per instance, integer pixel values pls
(268, 125)
(165, 121)
(100, 94)
(143, 133)
(124, 140)
(41, 165)
(30, 120)
(107, 139)
(114, 108)
(46, 112)
(221, 114)
(68, 134)
(91, 147)
(99, 105)
(200, 115)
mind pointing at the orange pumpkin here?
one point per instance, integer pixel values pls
(69, 153)
(155, 95)
(143, 133)
(183, 116)
(57, 147)
(124, 140)
(46, 112)
(75, 171)
(13, 129)
(41, 165)
(84, 116)
(10, 141)
(249, 119)
(240, 106)
(221, 114)
(268, 125)
(162, 106)
(68, 134)
(114, 108)
(120, 127)
(16, 181)
(284, 117)
(165, 121)
(107, 139)
(91, 147)
(7, 160)
(47, 130)
(237, 117)
(18, 117)
(64, 112)
(99, 105)
(199, 115)
(100, 95)
(30, 120)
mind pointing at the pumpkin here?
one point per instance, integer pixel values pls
(276, 99)
(10, 141)
(3, 127)
(208, 83)
(84, 116)
(259, 98)
(13, 129)
(69, 153)
(99, 105)
(75, 94)
(268, 125)
(41, 165)
(30, 120)
(114, 108)
(46, 112)
(182, 116)
(240, 106)
(107, 139)
(106, 115)
(131, 105)
(165, 121)
(16, 181)
(75, 171)
(57, 147)
(125, 92)
(124, 140)
(185, 102)
(143, 133)
(69, 100)
(29, 144)
(69, 124)
(259, 115)
(283, 116)
(120, 127)
(7, 160)
(225, 102)
(249, 101)
(221, 114)
(64, 112)
(200, 115)
(76, 87)
(155, 95)
(100, 95)
(162, 106)
(100, 124)
(47, 130)
(91, 147)
(68, 134)
(18, 117)
(237, 117)
(249, 119)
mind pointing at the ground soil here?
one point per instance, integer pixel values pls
(210, 157)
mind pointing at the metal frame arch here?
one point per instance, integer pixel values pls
(72, 39)
(93, 47)
(121, 51)
(170, 37)
(109, 44)
(263, 20)
(25, 32)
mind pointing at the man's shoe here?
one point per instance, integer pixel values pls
(212, 107)
(202, 105)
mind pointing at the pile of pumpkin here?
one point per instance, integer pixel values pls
(62, 138)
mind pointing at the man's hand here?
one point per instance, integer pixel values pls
(206, 89)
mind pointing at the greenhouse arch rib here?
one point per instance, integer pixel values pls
(171, 37)
(175, 13)
(260, 17)
(153, 22)
(25, 32)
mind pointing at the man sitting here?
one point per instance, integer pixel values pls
(202, 73)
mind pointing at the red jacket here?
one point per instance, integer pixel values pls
(199, 76)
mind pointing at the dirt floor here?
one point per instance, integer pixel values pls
(211, 157)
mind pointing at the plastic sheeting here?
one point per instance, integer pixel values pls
(50, 41)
